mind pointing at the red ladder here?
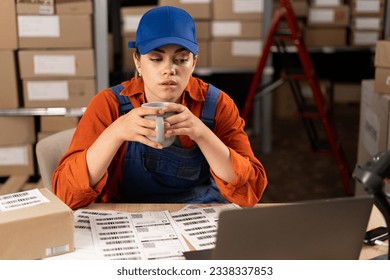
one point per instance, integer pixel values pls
(308, 114)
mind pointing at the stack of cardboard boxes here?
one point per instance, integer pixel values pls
(236, 32)
(17, 133)
(374, 132)
(327, 24)
(367, 22)
(56, 56)
(47, 60)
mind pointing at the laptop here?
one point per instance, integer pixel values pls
(325, 229)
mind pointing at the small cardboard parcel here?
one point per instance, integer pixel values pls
(34, 224)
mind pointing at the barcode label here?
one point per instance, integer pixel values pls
(57, 250)
(21, 200)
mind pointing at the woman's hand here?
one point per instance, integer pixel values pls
(134, 127)
(184, 122)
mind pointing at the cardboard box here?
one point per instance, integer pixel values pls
(74, 7)
(17, 130)
(364, 38)
(329, 16)
(374, 124)
(326, 3)
(8, 27)
(382, 80)
(58, 123)
(382, 54)
(204, 54)
(347, 93)
(203, 30)
(241, 10)
(65, 31)
(228, 29)
(130, 17)
(325, 36)
(56, 63)
(29, 7)
(235, 53)
(367, 7)
(374, 121)
(198, 9)
(58, 92)
(16, 160)
(9, 95)
(37, 231)
(300, 7)
(367, 23)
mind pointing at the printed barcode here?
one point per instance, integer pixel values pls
(7, 196)
(205, 237)
(112, 223)
(82, 227)
(199, 228)
(113, 232)
(188, 219)
(117, 237)
(115, 227)
(120, 254)
(203, 232)
(136, 216)
(110, 218)
(187, 214)
(120, 242)
(209, 210)
(21, 204)
(83, 221)
(195, 222)
(17, 200)
(120, 249)
(94, 213)
(207, 244)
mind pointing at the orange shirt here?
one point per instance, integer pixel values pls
(71, 181)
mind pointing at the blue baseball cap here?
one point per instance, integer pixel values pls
(165, 25)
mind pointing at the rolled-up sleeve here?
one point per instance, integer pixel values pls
(251, 180)
(70, 180)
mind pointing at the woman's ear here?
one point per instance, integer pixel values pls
(137, 62)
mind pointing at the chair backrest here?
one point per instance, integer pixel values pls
(49, 151)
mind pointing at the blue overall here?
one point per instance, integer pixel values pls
(170, 175)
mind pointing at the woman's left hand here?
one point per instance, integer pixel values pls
(184, 122)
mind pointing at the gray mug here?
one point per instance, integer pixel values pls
(160, 131)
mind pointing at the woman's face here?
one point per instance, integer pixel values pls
(166, 72)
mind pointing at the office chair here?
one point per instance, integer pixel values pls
(49, 151)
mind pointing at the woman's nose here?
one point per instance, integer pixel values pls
(169, 68)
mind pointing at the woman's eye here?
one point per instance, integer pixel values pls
(155, 59)
(181, 60)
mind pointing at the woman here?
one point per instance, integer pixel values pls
(112, 159)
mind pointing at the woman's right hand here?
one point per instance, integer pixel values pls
(134, 127)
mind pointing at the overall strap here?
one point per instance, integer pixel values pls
(210, 106)
(124, 101)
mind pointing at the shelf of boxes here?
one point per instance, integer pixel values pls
(52, 64)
